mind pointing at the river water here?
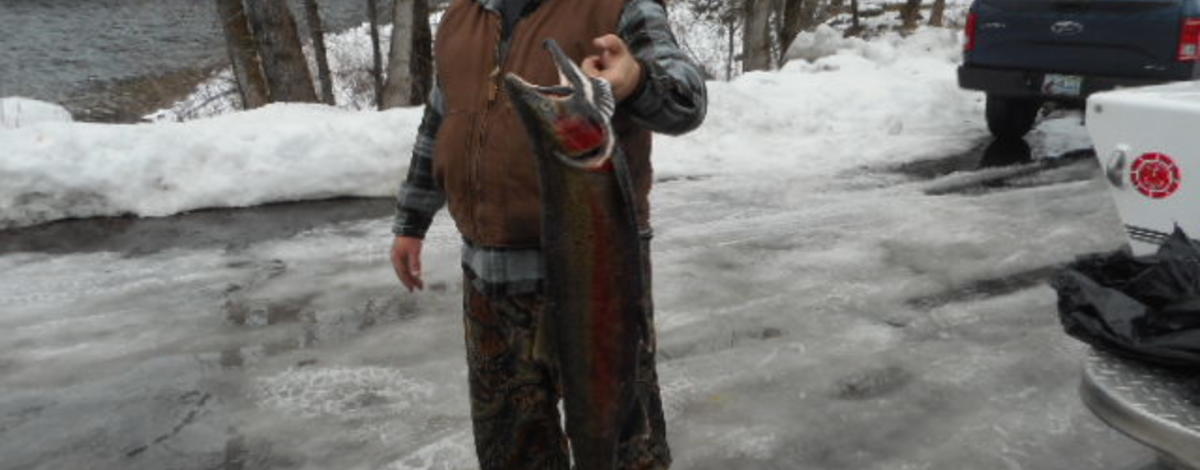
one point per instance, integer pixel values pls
(74, 51)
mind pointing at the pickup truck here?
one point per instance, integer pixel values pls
(1024, 53)
(1147, 145)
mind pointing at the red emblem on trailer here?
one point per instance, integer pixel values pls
(1156, 175)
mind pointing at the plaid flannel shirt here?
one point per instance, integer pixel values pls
(672, 99)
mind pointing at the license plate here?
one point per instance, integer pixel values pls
(1062, 85)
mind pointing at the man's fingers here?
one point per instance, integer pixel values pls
(408, 269)
(400, 265)
(406, 261)
(414, 269)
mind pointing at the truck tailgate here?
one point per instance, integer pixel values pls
(1148, 142)
(1119, 38)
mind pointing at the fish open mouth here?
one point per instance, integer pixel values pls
(562, 91)
(570, 112)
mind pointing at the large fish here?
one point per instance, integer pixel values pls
(595, 286)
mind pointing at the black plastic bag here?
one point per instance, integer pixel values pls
(1143, 308)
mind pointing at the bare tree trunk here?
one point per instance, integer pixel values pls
(936, 16)
(377, 70)
(855, 24)
(317, 32)
(410, 60)
(910, 13)
(756, 38)
(398, 89)
(422, 55)
(247, 70)
(288, 78)
(731, 26)
(798, 15)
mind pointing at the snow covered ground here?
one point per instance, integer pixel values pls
(838, 286)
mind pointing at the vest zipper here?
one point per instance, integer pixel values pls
(477, 140)
(500, 55)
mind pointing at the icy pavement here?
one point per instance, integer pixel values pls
(882, 316)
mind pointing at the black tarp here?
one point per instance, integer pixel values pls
(1146, 308)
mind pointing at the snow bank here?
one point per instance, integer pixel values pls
(18, 112)
(889, 99)
(281, 152)
(892, 98)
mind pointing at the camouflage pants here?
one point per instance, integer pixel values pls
(515, 395)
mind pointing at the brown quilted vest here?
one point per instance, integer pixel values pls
(483, 160)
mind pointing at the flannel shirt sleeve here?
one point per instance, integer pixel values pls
(419, 198)
(672, 98)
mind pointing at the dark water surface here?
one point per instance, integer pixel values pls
(79, 52)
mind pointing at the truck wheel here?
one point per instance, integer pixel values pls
(1011, 118)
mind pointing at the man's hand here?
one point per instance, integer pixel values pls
(406, 260)
(616, 64)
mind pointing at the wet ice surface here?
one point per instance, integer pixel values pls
(862, 319)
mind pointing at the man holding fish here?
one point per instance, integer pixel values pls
(545, 167)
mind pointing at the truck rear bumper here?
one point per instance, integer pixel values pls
(1028, 84)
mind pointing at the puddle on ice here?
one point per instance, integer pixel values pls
(988, 166)
(229, 228)
(1070, 167)
(291, 324)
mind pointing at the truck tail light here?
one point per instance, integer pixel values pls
(973, 28)
(1189, 41)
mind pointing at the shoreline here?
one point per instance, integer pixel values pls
(127, 100)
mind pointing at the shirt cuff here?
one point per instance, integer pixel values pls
(643, 77)
(642, 96)
(411, 224)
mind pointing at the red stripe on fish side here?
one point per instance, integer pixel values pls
(603, 322)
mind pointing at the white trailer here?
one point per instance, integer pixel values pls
(1148, 143)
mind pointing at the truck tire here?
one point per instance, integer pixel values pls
(1011, 118)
